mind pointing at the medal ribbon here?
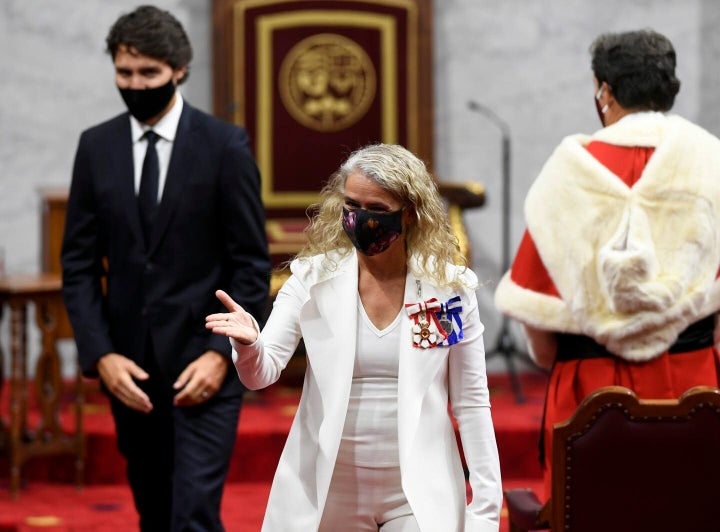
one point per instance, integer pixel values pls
(432, 305)
(452, 310)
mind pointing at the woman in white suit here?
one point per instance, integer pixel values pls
(392, 334)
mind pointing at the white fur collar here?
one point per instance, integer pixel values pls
(634, 266)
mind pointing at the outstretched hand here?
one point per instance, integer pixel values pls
(236, 323)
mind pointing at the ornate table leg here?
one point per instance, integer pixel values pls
(18, 391)
(47, 375)
(48, 388)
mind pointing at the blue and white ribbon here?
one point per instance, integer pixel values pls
(451, 311)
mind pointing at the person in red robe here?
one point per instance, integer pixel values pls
(616, 278)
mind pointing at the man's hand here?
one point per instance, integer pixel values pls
(201, 379)
(117, 373)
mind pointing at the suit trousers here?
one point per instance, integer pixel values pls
(177, 457)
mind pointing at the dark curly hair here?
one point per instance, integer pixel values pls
(639, 67)
(152, 32)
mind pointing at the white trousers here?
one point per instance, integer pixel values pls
(367, 499)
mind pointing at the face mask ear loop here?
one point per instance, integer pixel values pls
(598, 96)
(599, 93)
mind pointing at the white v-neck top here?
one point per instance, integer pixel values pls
(370, 434)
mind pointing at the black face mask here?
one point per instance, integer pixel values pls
(372, 232)
(144, 104)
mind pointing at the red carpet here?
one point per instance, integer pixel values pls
(109, 508)
(48, 501)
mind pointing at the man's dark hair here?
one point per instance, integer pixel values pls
(639, 67)
(152, 32)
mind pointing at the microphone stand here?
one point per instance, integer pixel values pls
(505, 345)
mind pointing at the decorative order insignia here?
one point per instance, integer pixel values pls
(423, 336)
(435, 323)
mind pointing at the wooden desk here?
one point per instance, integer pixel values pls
(18, 439)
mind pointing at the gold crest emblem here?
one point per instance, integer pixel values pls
(327, 82)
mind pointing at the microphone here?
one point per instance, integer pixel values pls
(505, 131)
(489, 113)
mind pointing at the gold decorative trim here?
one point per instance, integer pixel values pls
(285, 248)
(276, 231)
(458, 227)
(277, 279)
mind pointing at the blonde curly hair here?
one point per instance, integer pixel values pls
(429, 239)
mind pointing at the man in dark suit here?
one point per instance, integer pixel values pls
(164, 209)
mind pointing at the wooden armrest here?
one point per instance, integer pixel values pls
(524, 510)
(466, 195)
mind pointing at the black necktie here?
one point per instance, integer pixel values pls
(149, 180)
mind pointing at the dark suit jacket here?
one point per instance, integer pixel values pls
(209, 233)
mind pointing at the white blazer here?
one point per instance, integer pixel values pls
(320, 306)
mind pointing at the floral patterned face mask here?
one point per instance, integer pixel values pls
(372, 232)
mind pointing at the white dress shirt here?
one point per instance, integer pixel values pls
(166, 128)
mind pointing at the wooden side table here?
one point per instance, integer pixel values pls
(18, 439)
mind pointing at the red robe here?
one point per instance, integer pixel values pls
(666, 376)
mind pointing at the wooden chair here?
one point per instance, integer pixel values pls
(625, 464)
